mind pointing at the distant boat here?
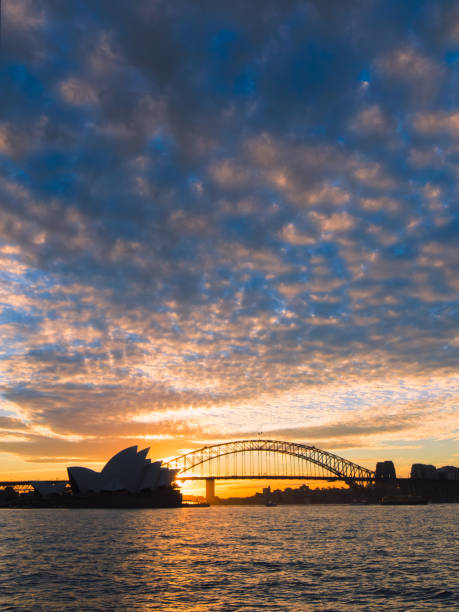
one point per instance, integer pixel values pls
(270, 503)
(403, 500)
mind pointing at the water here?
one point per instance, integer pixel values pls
(293, 558)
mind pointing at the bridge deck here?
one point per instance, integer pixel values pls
(21, 483)
(274, 477)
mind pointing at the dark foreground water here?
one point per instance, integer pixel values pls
(230, 558)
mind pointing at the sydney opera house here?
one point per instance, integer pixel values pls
(128, 475)
(129, 470)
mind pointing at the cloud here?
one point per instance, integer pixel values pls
(437, 122)
(77, 91)
(23, 14)
(371, 120)
(407, 65)
(338, 222)
(290, 234)
(208, 217)
(344, 429)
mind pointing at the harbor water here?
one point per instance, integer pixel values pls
(286, 558)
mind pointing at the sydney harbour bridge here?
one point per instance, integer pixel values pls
(265, 460)
(257, 459)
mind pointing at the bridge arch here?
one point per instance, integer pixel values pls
(335, 466)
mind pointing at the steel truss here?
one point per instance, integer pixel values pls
(335, 465)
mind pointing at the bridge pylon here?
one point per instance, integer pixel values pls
(210, 490)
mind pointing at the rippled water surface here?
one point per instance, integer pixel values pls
(230, 558)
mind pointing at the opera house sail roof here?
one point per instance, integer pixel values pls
(128, 470)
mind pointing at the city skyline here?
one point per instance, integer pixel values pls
(218, 222)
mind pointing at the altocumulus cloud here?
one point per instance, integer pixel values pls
(221, 218)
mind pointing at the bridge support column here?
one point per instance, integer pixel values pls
(210, 490)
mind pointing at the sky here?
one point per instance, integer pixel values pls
(223, 220)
